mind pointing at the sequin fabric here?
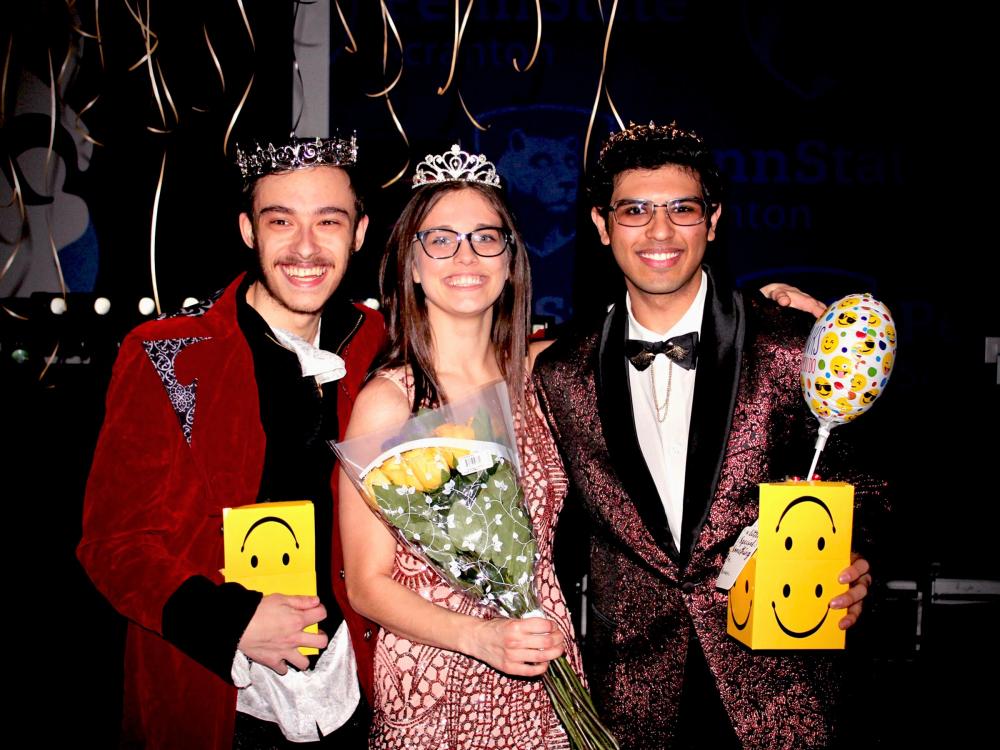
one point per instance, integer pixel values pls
(432, 699)
(644, 604)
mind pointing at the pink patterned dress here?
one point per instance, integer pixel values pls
(432, 699)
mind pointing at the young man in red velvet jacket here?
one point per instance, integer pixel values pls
(227, 403)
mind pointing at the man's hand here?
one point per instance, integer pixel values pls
(275, 631)
(789, 296)
(860, 580)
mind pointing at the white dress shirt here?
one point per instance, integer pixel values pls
(664, 444)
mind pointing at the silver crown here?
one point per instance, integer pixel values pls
(456, 165)
(298, 153)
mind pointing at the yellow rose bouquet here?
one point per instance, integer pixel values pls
(446, 483)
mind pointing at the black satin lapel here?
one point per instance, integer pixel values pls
(720, 352)
(614, 403)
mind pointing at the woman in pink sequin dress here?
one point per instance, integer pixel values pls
(450, 674)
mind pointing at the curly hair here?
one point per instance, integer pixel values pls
(650, 147)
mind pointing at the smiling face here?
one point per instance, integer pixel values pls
(466, 284)
(659, 259)
(840, 366)
(304, 229)
(781, 598)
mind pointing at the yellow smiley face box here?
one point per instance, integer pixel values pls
(271, 548)
(780, 599)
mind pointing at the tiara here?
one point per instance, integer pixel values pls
(298, 153)
(649, 132)
(455, 165)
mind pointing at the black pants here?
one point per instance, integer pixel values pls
(702, 721)
(254, 734)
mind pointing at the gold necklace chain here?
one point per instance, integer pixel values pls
(661, 409)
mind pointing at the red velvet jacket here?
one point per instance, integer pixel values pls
(182, 439)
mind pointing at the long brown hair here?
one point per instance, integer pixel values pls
(409, 342)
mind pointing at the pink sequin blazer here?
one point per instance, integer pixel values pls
(749, 424)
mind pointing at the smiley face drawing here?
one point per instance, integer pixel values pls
(887, 363)
(823, 387)
(828, 342)
(864, 347)
(868, 396)
(271, 548)
(846, 319)
(844, 405)
(820, 409)
(858, 382)
(780, 600)
(806, 526)
(890, 333)
(849, 302)
(840, 366)
(741, 597)
(874, 321)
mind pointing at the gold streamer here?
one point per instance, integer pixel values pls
(538, 39)
(246, 22)
(406, 140)
(236, 114)
(3, 83)
(387, 24)
(79, 122)
(19, 198)
(388, 88)
(149, 66)
(97, 25)
(48, 361)
(152, 234)
(354, 45)
(52, 122)
(141, 61)
(239, 107)
(600, 81)
(62, 68)
(215, 59)
(459, 32)
(147, 33)
(170, 99)
(614, 110)
(467, 112)
(13, 314)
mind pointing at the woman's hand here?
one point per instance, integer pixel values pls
(516, 647)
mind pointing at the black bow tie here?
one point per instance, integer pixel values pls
(680, 349)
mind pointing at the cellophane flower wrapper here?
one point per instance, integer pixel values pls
(446, 484)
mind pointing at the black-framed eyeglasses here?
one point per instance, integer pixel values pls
(441, 244)
(636, 212)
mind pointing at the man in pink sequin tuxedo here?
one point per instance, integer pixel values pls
(668, 413)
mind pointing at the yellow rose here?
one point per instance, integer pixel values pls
(400, 474)
(461, 431)
(429, 465)
(375, 478)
